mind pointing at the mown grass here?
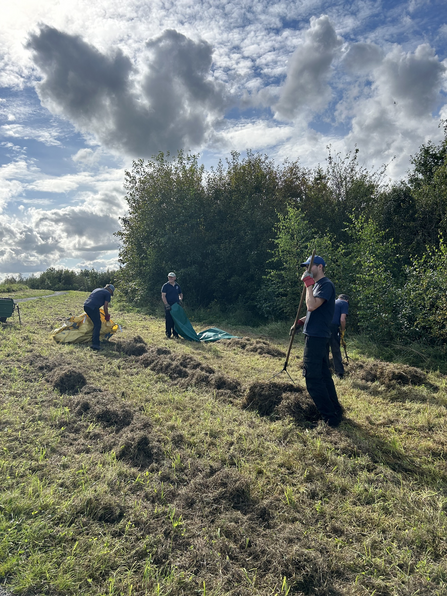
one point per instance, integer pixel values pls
(153, 487)
(18, 291)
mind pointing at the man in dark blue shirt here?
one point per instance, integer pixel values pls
(320, 302)
(338, 327)
(99, 297)
(171, 293)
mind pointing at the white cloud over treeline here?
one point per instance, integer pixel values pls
(170, 102)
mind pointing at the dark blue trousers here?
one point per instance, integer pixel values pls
(319, 381)
(336, 351)
(170, 325)
(94, 315)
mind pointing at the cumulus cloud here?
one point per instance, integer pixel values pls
(309, 70)
(168, 104)
(412, 80)
(42, 238)
(398, 112)
(363, 57)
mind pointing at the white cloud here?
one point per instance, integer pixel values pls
(46, 136)
(256, 135)
(361, 58)
(307, 84)
(170, 105)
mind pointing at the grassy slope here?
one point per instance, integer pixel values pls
(22, 292)
(151, 488)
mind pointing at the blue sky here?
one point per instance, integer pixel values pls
(85, 87)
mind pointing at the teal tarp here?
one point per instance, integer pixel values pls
(185, 329)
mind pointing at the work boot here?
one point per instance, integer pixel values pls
(176, 336)
(334, 422)
(168, 336)
(96, 348)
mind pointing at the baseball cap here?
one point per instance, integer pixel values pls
(317, 261)
(172, 274)
(110, 287)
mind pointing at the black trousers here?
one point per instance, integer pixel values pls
(319, 381)
(336, 351)
(94, 315)
(170, 325)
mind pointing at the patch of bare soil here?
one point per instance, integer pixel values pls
(67, 380)
(387, 374)
(258, 346)
(131, 347)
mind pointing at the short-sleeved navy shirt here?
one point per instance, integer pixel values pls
(172, 292)
(97, 298)
(341, 308)
(318, 321)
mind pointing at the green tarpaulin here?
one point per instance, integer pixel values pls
(185, 329)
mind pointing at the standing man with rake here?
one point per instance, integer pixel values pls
(320, 303)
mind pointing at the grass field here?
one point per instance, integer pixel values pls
(169, 468)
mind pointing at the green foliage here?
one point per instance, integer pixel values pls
(85, 280)
(295, 241)
(213, 230)
(375, 285)
(423, 313)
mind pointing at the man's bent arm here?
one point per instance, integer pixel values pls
(312, 303)
(343, 321)
(163, 297)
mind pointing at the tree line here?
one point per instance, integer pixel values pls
(54, 279)
(236, 234)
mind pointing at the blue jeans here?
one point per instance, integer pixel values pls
(95, 317)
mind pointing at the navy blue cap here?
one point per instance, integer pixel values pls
(317, 261)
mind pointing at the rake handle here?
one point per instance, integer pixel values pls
(303, 293)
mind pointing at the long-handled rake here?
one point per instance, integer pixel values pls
(292, 337)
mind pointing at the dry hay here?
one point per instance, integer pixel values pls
(298, 406)
(387, 374)
(258, 346)
(265, 397)
(186, 370)
(226, 488)
(131, 437)
(131, 347)
(137, 449)
(102, 508)
(43, 364)
(103, 408)
(88, 389)
(67, 380)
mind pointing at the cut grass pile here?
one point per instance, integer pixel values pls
(166, 467)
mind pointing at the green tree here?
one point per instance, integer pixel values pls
(423, 312)
(295, 240)
(428, 182)
(376, 282)
(213, 229)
